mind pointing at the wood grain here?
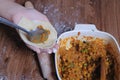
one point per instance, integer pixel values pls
(16, 59)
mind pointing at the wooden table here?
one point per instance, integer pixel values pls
(17, 62)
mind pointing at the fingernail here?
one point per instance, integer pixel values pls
(49, 51)
(54, 50)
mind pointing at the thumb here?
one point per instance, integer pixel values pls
(29, 4)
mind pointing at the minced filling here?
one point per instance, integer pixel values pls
(85, 59)
(42, 37)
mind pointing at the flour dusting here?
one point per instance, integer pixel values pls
(56, 17)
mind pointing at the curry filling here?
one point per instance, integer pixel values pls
(85, 60)
(40, 38)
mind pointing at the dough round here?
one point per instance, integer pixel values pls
(30, 25)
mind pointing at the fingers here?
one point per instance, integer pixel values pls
(55, 48)
(37, 50)
(29, 4)
(50, 50)
(47, 51)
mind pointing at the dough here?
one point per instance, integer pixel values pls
(30, 25)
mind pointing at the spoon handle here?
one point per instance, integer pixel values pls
(8, 23)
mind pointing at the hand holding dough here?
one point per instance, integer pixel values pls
(30, 25)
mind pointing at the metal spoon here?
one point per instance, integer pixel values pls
(31, 34)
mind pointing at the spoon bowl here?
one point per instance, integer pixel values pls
(32, 34)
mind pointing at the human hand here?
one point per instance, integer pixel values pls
(30, 13)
